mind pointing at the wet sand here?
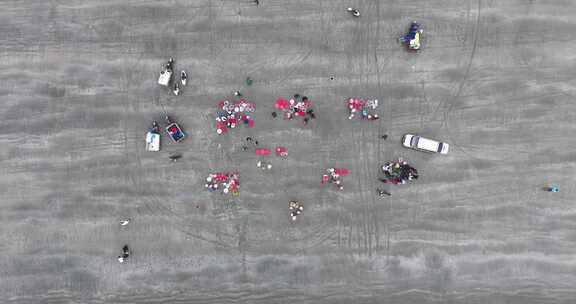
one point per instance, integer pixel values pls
(494, 79)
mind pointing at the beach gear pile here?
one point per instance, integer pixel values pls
(229, 183)
(267, 165)
(167, 74)
(280, 151)
(412, 39)
(264, 165)
(399, 172)
(334, 176)
(295, 107)
(363, 107)
(233, 113)
(296, 209)
(125, 254)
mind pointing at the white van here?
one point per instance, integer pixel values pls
(424, 144)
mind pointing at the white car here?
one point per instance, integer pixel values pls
(424, 144)
(152, 142)
(164, 78)
(166, 73)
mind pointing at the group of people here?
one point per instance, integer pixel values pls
(334, 176)
(166, 77)
(364, 107)
(125, 250)
(263, 152)
(296, 208)
(125, 254)
(234, 112)
(398, 172)
(297, 106)
(227, 181)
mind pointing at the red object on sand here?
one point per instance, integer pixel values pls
(263, 151)
(325, 178)
(355, 103)
(221, 126)
(236, 112)
(281, 151)
(282, 104)
(220, 177)
(341, 172)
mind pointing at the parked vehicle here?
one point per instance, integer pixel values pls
(424, 144)
(166, 73)
(153, 138)
(174, 130)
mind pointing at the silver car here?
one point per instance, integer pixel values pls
(424, 144)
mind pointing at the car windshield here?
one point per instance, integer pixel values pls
(414, 141)
(440, 147)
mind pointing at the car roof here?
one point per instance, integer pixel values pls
(428, 144)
